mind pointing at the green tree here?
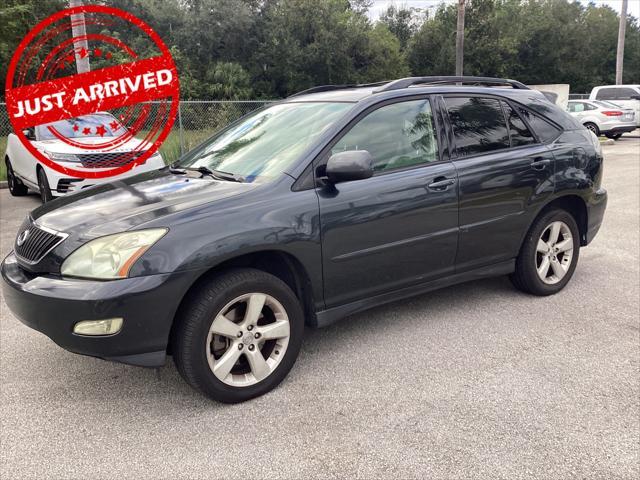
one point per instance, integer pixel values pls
(403, 22)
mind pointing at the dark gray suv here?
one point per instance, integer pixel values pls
(327, 203)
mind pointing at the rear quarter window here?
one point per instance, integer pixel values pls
(543, 129)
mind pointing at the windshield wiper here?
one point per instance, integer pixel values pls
(217, 174)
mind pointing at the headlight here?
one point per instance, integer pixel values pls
(112, 256)
(62, 157)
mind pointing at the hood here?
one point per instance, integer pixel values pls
(124, 204)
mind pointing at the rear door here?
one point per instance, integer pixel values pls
(399, 227)
(504, 171)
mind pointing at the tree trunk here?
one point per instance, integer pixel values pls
(81, 46)
(460, 38)
(621, 32)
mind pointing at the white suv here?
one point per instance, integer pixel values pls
(25, 172)
(624, 95)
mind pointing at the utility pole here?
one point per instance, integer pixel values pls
(460, 38)
(80, 47)
(621, 31)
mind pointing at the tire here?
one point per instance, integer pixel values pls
(616, 136)
(16, 187)
(198, 352)
(593, 127)
(560, 263)
(43, 186)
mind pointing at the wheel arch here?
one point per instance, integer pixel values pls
(575, 206)
(278, 263)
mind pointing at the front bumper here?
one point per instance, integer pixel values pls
(61, 183)
(53, 305)
(596, 206)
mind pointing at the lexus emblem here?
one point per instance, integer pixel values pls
(22, 238)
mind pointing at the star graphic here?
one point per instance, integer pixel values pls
(86, 131)
(107, 55)
(76, 128)
(114, 125)
(97, 52)
(100, 130)
(83, 52)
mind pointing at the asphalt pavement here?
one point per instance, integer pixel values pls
(473, 381)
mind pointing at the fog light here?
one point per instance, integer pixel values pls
(109, 326)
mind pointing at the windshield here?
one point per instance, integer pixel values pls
(263, 145)
(95, 125)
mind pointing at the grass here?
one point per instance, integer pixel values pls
(3, 167)
(170, 148)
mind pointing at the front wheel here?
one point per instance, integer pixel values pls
(43, 186)
(549, 254)
(16, 187)
(238, 335)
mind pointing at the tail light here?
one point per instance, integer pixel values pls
(612, 113)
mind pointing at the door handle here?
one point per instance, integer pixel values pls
(540, 163)
(441, 183)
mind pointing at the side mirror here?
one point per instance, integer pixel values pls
(349, 165)
(30, 133)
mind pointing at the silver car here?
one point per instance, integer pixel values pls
(602, 117)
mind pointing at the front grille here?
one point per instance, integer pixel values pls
(34, 242)
(107, 160)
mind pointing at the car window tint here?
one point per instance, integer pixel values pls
(545, 131)
(616, 93)
(478, 124)
(520, 133)
(399, 135)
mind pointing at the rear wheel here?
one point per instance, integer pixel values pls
(614, 136)
(238, 335)
(16, 187)
(43, 186)
(593, 127)
(549, 254)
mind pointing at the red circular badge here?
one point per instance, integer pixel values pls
(98, 113)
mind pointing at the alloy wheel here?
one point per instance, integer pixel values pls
(554, 252)
(247, 339)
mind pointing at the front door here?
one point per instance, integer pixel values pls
(398, 227)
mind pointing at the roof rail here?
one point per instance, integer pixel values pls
(410, 81)
(327, 88)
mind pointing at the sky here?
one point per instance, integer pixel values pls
(381, 5)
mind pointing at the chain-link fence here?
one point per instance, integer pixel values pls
(196, 121)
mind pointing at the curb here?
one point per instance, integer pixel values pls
(3, 184)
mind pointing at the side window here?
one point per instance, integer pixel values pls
(545, 131)
(478, 124)
(616, 93)
(398, 135)
(588, 106)
(520, 133)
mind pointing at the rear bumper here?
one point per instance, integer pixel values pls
(53, 306)
(620, 129)
(596, 206)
